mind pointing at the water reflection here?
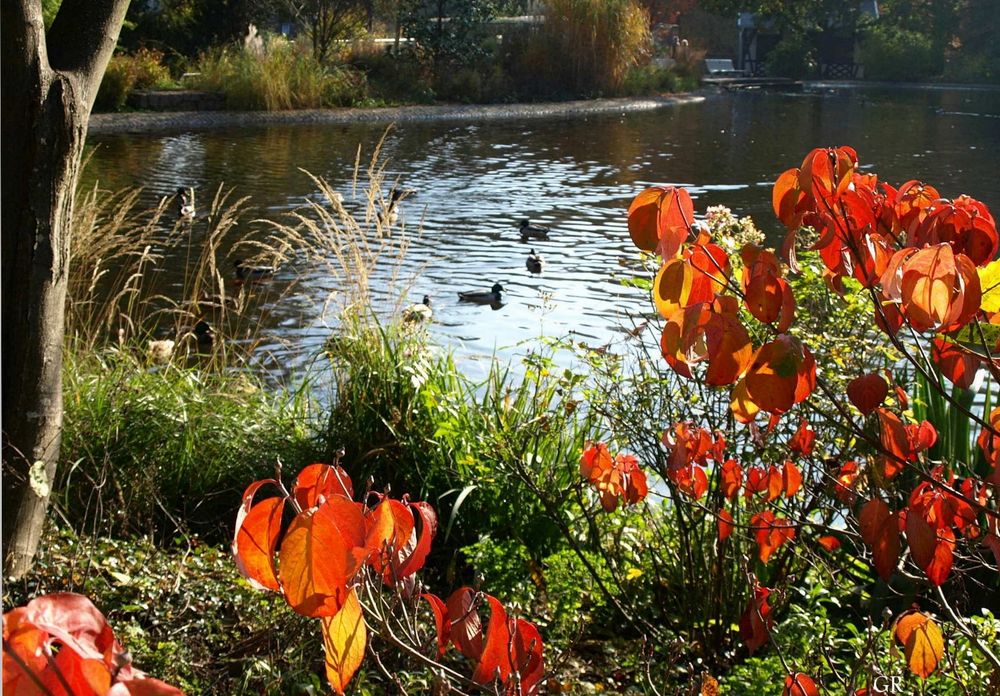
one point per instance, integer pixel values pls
(475, 182)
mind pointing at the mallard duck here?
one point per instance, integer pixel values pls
(419, 313)
(534, 262)
(481, 296)
(391, 212)
(204, 333)
(248, 273)
(185, 203)
(529, 231)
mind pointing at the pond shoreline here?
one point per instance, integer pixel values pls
(144, 122)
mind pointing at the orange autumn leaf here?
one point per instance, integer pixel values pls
(880, 530)
(799, 684)
(614, 478)
(255, 540)
(922, 642)
(510, 646)
(830, 543)
(659, 219)
(321, 480)
(321, 552)
(672, 287)
(344, 639)
(732, 478)
(803, 440)
(770, 533)
(783, 373)
(791, 479)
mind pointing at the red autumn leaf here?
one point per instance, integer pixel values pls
(726, 526)
(965, 224)
(441, 621)
(758, 479)
(827, 172)
(320, 480)
(791, 479)
(788, 199)
(803, 440)
(830, 543)
(936, 289)
(710, 268)
(466, 626)
(847, 479)
(707, 333)
(494, 662)
(321, 552)
(690, 480)
(414, 554)
(732, 478)
(756, 621)
(255, 540)
(61, 643)
(659, 219)
(615, 478)
(957, 364)
(867, 392)
(388, 528)
(895, 441)
(770, 533)
(880, 530)
(775, 483)
(939, 567)
(799, 684)
(921, 538)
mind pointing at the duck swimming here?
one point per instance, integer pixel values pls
(419, 313)
(248, 273)
(529, 231)
(534, 262)
(481, 296)
(185, 203)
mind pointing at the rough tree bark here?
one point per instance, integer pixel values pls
(48, 89)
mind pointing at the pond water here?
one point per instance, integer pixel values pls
(474, 181)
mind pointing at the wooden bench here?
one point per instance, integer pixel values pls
(721, 67)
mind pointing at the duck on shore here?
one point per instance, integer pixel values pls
(420, 312)
(534, 262)
(529, 231)
(494, 295)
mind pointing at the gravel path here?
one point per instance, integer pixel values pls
(141, 122)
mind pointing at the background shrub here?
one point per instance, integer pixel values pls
(890, 53)
(143, 69)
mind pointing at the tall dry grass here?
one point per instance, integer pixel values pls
(585, 47)
(279, 76)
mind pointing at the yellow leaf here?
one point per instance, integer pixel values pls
(989, 279)
(922, 643)
(344, 638)
(633, 573)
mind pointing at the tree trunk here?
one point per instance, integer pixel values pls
(47, 94)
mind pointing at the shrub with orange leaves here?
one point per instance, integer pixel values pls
(925, 267)
(330, 560)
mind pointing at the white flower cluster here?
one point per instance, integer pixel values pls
(729, 232)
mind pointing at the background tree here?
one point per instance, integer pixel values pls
(450, 32)
(50, 82)
(327, 21)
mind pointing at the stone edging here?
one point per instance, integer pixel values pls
(197, 120)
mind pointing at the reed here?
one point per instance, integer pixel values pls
(279, 75)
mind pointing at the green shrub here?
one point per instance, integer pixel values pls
(284, 75)
(793, 57)
(142, 70)
(890, 53)
(148, 451)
